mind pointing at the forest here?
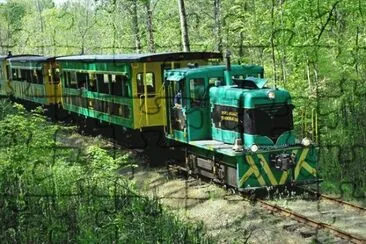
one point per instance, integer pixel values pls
(316, 49)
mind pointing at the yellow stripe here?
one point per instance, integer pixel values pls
(300, 162)
(283, 178)
(256, 171)
(267, 169)
(310, 169)
(246, 176)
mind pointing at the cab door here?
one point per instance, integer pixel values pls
(176, 94)
(198, 109)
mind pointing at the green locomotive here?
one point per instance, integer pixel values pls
(236, 130)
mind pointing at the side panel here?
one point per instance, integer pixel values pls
(87, 101)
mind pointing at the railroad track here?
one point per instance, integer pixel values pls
(274, 208)
(333, 199)
(311, 222)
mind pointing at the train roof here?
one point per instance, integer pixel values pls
(2, 57)
(30, 58)
(146, 57)
(216, 70)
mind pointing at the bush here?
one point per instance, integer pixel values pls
(52, 193)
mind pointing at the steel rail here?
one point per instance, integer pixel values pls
(301, 218)
(340, 201)
(296, 216)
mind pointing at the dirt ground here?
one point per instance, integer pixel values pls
(227, 218)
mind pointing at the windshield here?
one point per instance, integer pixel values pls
(268, 120)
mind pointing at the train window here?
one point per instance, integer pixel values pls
(120, 110)
(106, 78)
(116, 85)
(23, 74)
(17, 75)
(56, 75)
(116, 109)
(197, 90)
(92, 82)
(125, 86)
(73, 80)
(119, 86)
(149, 81)
(34, 76)
(82, 79)
(66, 78)
(103, 83)
(39, 76)
(49, 76)
(30, 76)
(26, 75)
(212, 81)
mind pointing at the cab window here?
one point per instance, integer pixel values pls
(214, 80)
(197, 91)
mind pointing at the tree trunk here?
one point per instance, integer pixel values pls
(42, 26)
(149, 27)
(183, 26)
(217, 30)
(135, 27)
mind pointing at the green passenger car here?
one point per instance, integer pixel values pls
(125, 90)
(33, 78)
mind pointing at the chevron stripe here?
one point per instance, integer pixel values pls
(300, 162)
(283, 178)
(252, 170)
(308, 168)
(268, 170)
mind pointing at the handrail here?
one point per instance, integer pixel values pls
(145, 92)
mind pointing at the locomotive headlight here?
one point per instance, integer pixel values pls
(306, 142)
(253, 148)
(271, 95)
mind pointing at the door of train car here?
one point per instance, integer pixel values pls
(149, 90)
(53, 82)
(148, 95)
(2, 75)
(176, 104)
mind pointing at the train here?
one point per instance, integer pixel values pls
(231, 127)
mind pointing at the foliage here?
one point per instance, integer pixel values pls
(52, 193)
